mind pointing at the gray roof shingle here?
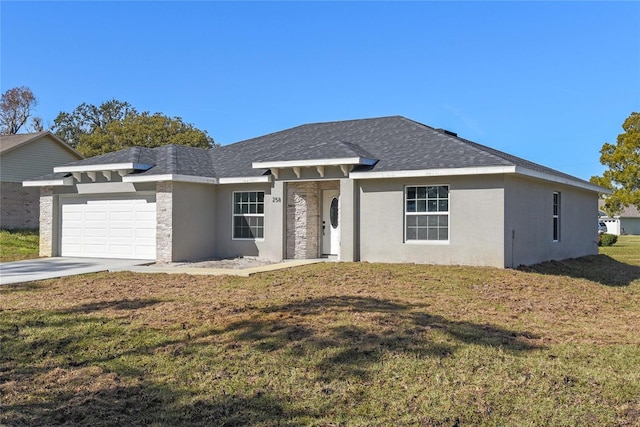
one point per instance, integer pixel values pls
(397, 143)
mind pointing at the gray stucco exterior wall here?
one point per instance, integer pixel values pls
(529, 222)
(194, 218)
(227, 246)
(347, 219)
(476, 232)
(494, 220)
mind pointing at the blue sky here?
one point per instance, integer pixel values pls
(547, 81)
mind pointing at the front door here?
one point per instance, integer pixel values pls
(330, 225)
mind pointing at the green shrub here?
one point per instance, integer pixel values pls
(607, 239)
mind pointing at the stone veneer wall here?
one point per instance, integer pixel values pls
(46, 221)
(19, 207)
(164, 221)
(304, 218)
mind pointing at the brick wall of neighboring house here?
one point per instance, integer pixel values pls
(19, 206)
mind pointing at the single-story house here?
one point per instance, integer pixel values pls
(626, 221)
(384, 189)
(25, 156)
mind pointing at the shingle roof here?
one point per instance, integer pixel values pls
(168, 159)
(397, 143)
(626, 212)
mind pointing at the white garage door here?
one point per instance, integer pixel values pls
(109, 227)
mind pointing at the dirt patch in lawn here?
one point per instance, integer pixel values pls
(231, 263)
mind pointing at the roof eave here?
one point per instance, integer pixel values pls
(245, 179)
(59, 182)
(103, 167)
(170, 177)
(314, 162)
(561, 180)
(482, 170)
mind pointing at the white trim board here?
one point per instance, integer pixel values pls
(170, 177)
(487, 170)
(314, 162)
(60, 182)
(103, 167)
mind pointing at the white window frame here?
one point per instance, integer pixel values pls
(446, 213)
(246, 215)
(556, 211)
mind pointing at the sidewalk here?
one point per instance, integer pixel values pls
(244, 272)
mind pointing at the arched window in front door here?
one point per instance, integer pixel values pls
(333, 213)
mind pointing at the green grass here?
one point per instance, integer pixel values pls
(330, 344)
(624, 250)
(18, 245)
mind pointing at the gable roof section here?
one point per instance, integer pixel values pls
(177, 163)
(169, 162)
(9, 143)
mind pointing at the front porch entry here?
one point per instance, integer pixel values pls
(330, 224)
(312, 226)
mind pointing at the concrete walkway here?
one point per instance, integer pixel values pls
(51, 268)
(244, 272)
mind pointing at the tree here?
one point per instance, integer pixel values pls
(115, 125)
(36, 124)
(16, 107)
(87, 119)
(623, 162)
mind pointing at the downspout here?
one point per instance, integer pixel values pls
(513, 239)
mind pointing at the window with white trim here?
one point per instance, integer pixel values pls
(248, 215)
(426, 211)
(556, 217)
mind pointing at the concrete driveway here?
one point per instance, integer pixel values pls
(49, 268)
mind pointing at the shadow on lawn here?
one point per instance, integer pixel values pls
(352, 350)
(344, 350)
(125, 304)
(149, 404)
(597, 268)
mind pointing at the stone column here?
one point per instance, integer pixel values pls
(303, 220)
(47, 219)
(164, 221)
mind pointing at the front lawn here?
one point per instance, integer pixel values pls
(17, 245)
(329, 344)
(626, 249)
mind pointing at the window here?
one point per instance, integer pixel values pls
(333, 213)
(248, 215)
(556, 217)
(426, 212)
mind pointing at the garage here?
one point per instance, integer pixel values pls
(108, 226)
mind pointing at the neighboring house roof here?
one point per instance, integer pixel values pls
(9, 143)
(376, 147)
(24, 156)
(627, 211)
